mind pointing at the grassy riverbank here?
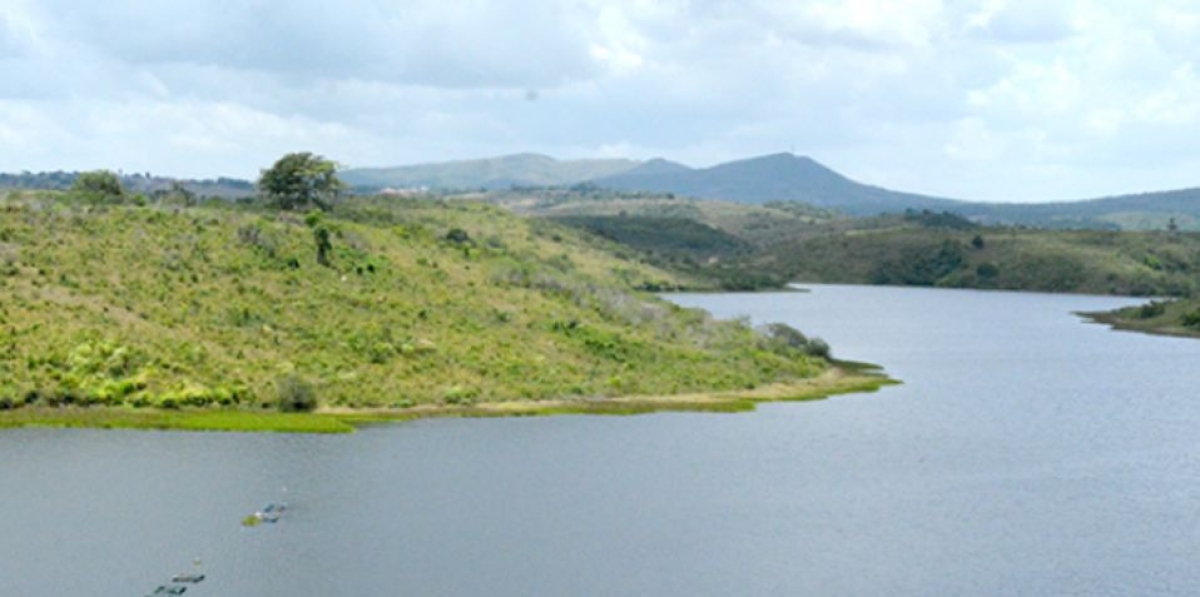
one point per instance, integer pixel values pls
(834, 381)
(1167, 318)
(191, 419)
(212, 317)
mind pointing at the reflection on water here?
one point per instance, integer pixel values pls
(1027, 454)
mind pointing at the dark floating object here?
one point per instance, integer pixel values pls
(188, 578)
(170, 590)
(270, 513)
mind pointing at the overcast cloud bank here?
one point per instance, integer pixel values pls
(1015, 100)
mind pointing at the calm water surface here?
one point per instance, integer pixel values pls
(1028, 453)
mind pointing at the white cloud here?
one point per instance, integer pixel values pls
(1032, 91)
(884, 22)
(1176, 103)
(1024, 21)
(428, 42)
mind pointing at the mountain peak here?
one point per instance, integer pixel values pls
(787, 167)
(521, 157)
(775, 177)
(781, 158)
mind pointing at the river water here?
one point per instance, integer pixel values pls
(1027, 453)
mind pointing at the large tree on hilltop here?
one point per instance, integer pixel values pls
(299, 179)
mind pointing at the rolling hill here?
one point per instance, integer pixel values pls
(526, 169)
(1143, 211)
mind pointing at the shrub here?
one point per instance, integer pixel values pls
(783, 339)
(321, 237)
(1152, 309)
(381, 352)
(459, 395)
(458, 236)
(295, 394)
(818, 348)
(987, 270)
(782, 333)
(1192, 320)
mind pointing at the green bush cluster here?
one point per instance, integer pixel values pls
(786, 340)
(1192, 319)
(295, 394)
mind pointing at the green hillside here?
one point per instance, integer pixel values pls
(911, 253)
(755, 224)
(420, 303)
(792, 242)
(706, 239)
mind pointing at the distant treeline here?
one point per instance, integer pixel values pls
(145, 183)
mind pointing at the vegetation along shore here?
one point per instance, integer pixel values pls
(1163, 317)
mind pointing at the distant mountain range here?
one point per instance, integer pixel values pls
(780, 177)
(148, 184)
(777, 177)
(765, 179)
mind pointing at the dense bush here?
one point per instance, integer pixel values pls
(295, 394)
(784, 339)
(1152, 309)
(921, 266)
(458, 236)
(1192, 320)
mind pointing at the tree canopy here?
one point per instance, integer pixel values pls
(299, 179)
(99, 185)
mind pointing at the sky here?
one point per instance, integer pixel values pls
(999, 100)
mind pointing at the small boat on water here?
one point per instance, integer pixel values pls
(170, 590)
(275, 507)
(270, 513)
(187, 578)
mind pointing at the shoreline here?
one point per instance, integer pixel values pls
(844, 378)
(1116, 321)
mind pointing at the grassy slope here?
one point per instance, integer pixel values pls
(205, 306)
(757, 224)
(715, 241)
